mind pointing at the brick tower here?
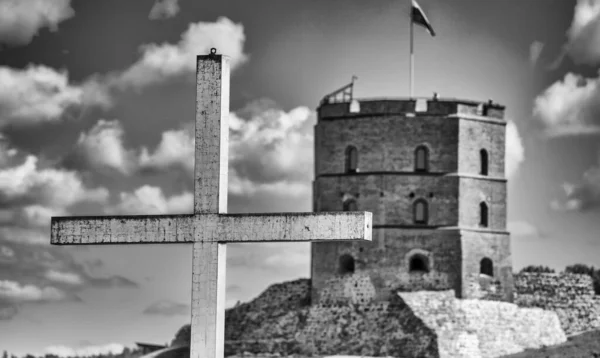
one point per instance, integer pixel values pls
(432, 173)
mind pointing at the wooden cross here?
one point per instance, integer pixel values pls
(209, 228)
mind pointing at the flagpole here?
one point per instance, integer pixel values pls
(412, 55)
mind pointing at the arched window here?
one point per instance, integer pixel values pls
(351, 159)
(483, 214)
(486, 267)
(418, 263)
(421, 159)
(350, 205)
(483, 162)
(420, 211)
(346, 264)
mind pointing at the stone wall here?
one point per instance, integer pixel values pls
(385, 262)
(571, 296)
(416, 324)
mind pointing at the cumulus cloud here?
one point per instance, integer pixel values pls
(159, 63)
(150, 200)
(27, 184)
(33, 274)
(102, 149)
(584, 34)
(21, 20)
(570, 106)
(167, 308)
(515, 153)
(14, 291)
(39, 93)
(90, 351)
(271, 153)
(271, 150)
(164, 9)
(176, 149)
(581, 196)
(70, 278)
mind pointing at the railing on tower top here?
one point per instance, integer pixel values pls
(345, 92)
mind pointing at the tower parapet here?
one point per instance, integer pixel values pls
(417, 106)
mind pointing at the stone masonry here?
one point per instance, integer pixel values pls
(411, 324)
(571, 296)
(453, 245)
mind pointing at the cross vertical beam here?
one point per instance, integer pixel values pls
(210, 197)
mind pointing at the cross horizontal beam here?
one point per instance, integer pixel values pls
(288, 227)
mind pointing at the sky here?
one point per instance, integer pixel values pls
(97, 102)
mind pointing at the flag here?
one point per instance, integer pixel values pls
(418, 17)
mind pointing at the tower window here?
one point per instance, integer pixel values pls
(421, 159)
(351, 159)
(420, 211)
(346, 264)
(418, 263)
(483, 162)
(483, 214)
(350, 205)
(486, 267)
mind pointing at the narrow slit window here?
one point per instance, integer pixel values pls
(483, 214)
(483, 162)
(351, 159)
(420, 213)
(421, 159)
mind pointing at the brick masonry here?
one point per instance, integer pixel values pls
(386, 134)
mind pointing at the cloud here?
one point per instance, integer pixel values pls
(70, 278)
(570, 106)
(26, 184)
(35, 274)
(584, 34)
(159, 63)
(270, 153)
(40, 93)
(581, 196)
(176, 149)
(271, 150)
(515, 153)
(150, 200)
(14, 291)
(21, 20)
(102, 149)
(535, 50)
(164, 9)
(167, 308)
(64, 351)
